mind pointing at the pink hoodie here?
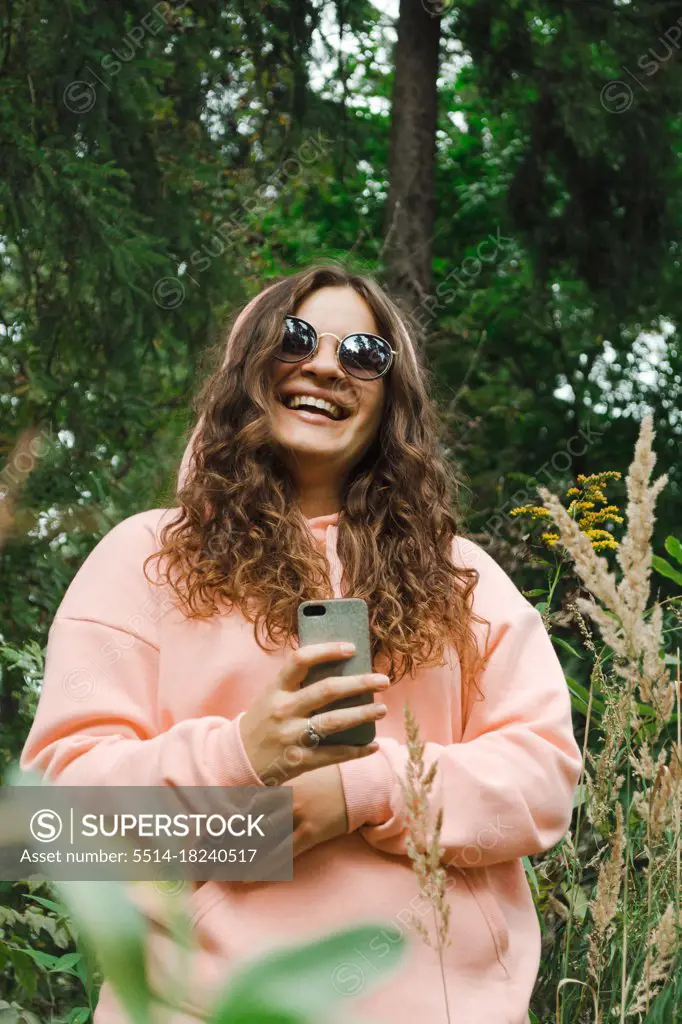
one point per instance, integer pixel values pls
(137, 694)
(163, 697)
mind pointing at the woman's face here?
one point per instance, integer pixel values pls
(317, 440)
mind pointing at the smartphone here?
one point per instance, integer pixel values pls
(342, 618)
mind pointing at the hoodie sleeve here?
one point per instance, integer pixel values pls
(96, 721)
(506, 790)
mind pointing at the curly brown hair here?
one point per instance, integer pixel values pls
(240, 540)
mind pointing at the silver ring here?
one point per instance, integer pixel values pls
(311, 734)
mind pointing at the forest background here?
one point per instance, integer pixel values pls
(508, 169)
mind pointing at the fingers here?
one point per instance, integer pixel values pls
(317, 695)
(330, 722)
(296, 666)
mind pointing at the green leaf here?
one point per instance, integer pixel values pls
(580, 697)
(666, 569)
(46, 960)
(674, 548)
(27, 976)
(532, 876)
(541, 607)
(79, 1015)
(51, 905)
(8, 916)
(67, 962)
(567, 647)
(286, 986)
(83, 971)
(115, 928)
(534, 593)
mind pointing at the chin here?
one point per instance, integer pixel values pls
(305, 437)
(312, 447)
(315, 444)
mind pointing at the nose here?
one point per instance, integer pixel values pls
(324, 362)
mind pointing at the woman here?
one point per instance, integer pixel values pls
(314, 471)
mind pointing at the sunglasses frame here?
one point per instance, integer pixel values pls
(310, 355)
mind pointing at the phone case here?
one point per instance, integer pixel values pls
(344, 618)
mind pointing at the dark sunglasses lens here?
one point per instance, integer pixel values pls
(365, 356)
(298, 341)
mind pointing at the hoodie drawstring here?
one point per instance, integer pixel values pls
(335, 567)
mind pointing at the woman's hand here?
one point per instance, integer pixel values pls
(275, 723)
(319, 807)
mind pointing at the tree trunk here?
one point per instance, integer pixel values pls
(411, 200)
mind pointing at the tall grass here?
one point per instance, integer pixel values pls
(609, 892)
(613, 884)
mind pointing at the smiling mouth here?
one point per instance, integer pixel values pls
(317, 406)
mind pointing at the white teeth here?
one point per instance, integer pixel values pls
(320, 403)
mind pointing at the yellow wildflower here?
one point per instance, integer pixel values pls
(601, 539)
(596, 493)
(598, 535)
(586, 495)
(603, 515)
(535, 511)
(605, 474)
(604, 545)
(580, 505)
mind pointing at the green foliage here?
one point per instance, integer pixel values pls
(596, 933)
(22, 671)
(674, 548)
(115, 931)
(42, 968)
(183, 138)
(291, 986)
(148, 189)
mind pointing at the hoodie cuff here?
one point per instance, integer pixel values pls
(228, 763)
(367, 786)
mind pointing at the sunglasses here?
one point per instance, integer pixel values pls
(365, 356)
